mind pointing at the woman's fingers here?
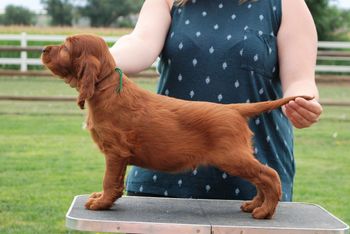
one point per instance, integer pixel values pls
(303, 113)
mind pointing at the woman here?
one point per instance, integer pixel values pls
(227, 51)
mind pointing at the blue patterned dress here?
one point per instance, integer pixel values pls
(220, 51)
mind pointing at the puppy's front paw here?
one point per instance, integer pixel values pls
(249, 206)
(98, 203)
(96, 195)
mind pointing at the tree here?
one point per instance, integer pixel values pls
(103, 13)
(328, 19)
(61, 11)
(17, 15)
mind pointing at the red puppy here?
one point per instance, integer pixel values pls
(134, 126)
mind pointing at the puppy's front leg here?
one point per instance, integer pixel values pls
(113, 185)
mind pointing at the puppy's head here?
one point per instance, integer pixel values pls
(79, 61)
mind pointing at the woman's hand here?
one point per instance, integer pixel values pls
(303, 113)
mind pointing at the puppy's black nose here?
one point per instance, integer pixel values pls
(45, 49)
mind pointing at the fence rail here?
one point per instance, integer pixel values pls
(21, 48)
(36, 98)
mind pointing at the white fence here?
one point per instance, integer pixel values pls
(24, 61)
(24, 38)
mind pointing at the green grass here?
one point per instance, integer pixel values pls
(323, 166)
(45, 161)
(46, 158)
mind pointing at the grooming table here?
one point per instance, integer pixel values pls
(176, 216)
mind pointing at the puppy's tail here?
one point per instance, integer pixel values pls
(253, 109)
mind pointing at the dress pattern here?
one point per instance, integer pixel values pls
(225, 52)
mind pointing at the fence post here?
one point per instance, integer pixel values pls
(24, 66)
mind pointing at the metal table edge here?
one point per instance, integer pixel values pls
(218, 229)
(135, 227)
(131, 227)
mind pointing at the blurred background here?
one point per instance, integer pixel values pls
(47, 157)
(331, 16)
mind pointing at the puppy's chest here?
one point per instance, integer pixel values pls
(99, 132)
(108, 135)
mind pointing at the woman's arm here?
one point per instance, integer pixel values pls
(138, 50)
(297, 50)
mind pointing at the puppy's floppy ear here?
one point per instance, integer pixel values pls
(87, 75)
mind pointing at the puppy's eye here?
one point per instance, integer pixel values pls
(64, 48)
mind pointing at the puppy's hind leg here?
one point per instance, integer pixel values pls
(113, 185)
(266, 180)
(270, 184)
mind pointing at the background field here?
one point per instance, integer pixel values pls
(46, 158)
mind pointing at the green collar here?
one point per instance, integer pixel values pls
(119, 89)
